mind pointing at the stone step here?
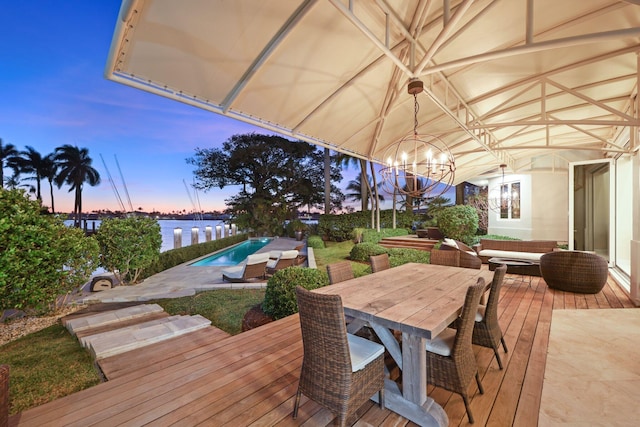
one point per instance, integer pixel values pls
(112, 326)
(130, 338)
(86, 340)
(89, 321)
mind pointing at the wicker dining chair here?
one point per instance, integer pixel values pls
(442, 257)
(379, 262)
(339, 371)
(4, 395)
(486, 331)
(339, 272)
(451, 363)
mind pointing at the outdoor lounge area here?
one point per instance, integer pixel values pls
(546, 90)
(251, 378)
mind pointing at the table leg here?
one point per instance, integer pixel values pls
(412, 401)
(414, 374)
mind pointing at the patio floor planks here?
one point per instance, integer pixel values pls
(251, 378)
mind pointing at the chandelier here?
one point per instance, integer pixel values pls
(500, 198)
(418, 165)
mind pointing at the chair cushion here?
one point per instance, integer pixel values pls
(275, 254)
(272, 263)
(443, 343)
(450, 242)
(362, 351)
(480, 313)
(289, 254)
(234, 272)
(257, 258)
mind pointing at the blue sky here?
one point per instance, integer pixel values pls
(53, 92)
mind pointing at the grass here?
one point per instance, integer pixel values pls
(45, 366)
(225, 308)
(337, 252)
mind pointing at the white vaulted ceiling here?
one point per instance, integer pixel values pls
(533, 84)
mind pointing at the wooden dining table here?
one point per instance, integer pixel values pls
(420, 301)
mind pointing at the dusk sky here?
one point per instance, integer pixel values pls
(53, 90)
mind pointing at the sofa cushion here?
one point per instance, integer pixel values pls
(540, 246)
(492, 253)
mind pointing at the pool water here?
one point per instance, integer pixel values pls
(233, 255)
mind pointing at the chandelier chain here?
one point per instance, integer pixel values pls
(416, 108)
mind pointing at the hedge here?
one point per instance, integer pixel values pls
(339, 228)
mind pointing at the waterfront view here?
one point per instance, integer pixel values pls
(167, 227)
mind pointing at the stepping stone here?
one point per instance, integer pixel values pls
(110, 317)
(126, 339)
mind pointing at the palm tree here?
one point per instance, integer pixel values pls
(354, 186)
(49, 170)
(7, 154)
(75, 170)
(29, 161)
(345, 160)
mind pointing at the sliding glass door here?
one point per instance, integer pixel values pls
(592, 207)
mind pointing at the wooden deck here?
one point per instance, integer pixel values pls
(251, 378)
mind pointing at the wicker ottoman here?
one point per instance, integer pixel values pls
(574, 271)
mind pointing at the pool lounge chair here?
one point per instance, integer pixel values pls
(286, 259)
(253, 267)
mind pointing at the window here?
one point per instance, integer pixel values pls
(510, 201)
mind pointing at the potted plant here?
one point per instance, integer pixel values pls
(298, 228)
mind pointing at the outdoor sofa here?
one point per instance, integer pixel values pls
(530, 250)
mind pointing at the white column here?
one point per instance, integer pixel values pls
(194, 235)
(177, 238)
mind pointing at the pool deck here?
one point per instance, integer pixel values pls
(182, 280)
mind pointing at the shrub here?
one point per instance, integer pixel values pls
(179, 256)
(280, 295)
(362, 251)
(128, 245)
(399, 256)
(40, 258)
(459, 222)
(315, 242)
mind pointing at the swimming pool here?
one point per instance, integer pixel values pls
(233, 255)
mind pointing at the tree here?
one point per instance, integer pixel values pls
(365, 188)
(49, 170)
(7, 155)
(40, 258)
(354, 187)
(277, 176)
(29, 161)
(75, 170)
